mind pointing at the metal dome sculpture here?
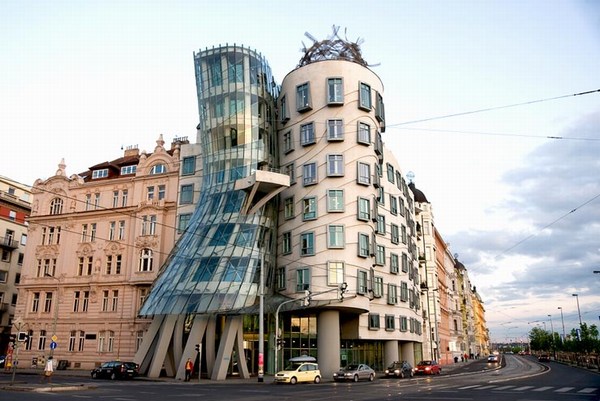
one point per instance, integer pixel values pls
(332, 48)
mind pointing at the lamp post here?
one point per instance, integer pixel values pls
(578, 310)
(55, 319)
(552, 342)
(564, 337)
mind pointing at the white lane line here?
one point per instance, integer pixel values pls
(564, 389)
(543, 388)
(522, 388)
(468, 387)
(588, 390)
(502, 388)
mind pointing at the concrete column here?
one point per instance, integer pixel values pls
(328, 343)
(407, 350)
(390, 352)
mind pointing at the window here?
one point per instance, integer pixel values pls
(373, 321)
(402, 208)
(142, 294)
(187, 194)
(189, 165)
(113, 264)
(364, 134)
(395, 233)
(145, 260)
(361, 287)
(335, 130)
(76, 301)
(111, 230)
(307, 244)
(302, 279)
(403, 323)
(285, 112)
(364, 173)
(379, 108)
(128, 170)
(288, 208)
(162, 191)
(121, 235)
(392, 294)
(380, 255)
(124, 198)
(307, 134)
(84, 232)
(335, 165)
(84, 267)
(35, 302)
(115, 301)
(105, 300)
(149, 224)
(378, 287)
(380, 229)
(303, 102)
(72, 340)
(309, 208)
(390, 322)
(335, 236)
(184, 221)
(309, 174)
(280, 278)
(394, 263)
(335, 273)
(215, 72)
(158, 169)
(364, 96)
(96, 201)
(42, 340)
(48, 303)
(390, 173)
(393, 205)
(403, 233)
(404, 291)
(335, 91)
(364, 209)
(335, 200)
(56, 206)
(363, 245)
(404, 262)
(92, 232)
(289, 169)
(99, 173)
(150, 193)
(286, 243)
(235, 68)
(288, 142)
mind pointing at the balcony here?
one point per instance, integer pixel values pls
(8, 243)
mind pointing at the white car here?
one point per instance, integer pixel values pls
(301, 369)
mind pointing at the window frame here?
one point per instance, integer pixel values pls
(335, 91)
(303, 97)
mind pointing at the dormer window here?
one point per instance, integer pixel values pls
(158, 169)
(99, 173)
(128, 170)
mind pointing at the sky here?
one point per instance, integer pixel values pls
(486, 104)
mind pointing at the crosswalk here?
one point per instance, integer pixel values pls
(541, 389)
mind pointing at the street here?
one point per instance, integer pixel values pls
(520, 378)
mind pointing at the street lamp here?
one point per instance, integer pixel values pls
(563, 323)
(578, 310)
(55, 319)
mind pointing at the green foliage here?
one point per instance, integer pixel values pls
(587, 342)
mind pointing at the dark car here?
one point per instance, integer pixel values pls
(355, 372)
(493, 358)
(428, 368)
(399, 369)
(544, 358)
(116, 370)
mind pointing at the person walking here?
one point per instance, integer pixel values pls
(189, 368)
(48, 371)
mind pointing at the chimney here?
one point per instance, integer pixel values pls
(131, 150)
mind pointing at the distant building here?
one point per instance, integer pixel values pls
(15, 206)
(96, 242)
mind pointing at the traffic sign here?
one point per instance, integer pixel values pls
(54, 338)
(53, 345)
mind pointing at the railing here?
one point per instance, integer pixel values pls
(8, 242)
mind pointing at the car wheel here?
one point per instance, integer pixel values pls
(402, 375)
(94, 375)
(317, 379)
(371, 377)
(113, 376)
(293, 380)
(411, 374)
(355, 378)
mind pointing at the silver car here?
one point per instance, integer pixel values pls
(355, 372)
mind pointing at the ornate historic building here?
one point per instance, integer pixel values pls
(96, 242)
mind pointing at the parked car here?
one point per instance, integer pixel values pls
(399, 369)
(300, 369)
(428, 368)
(544, 358)
(116, 370)
(493, 358)
(355, 372)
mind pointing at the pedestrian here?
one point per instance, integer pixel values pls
(189, 368)
(48, 371)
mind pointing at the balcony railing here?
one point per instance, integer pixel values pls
(8, 243)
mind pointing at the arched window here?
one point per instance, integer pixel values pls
(158, 169)
(56, 206)
(145, 260)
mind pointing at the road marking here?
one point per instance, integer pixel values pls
(588, 390)
(467, 387)
(564, 389)
(522, 388)
(503, 388)
(543, 388)
(486, 387)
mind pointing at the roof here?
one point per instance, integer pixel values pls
(418, 194)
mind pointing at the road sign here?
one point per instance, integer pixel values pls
(53, 345)
(54, 338)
